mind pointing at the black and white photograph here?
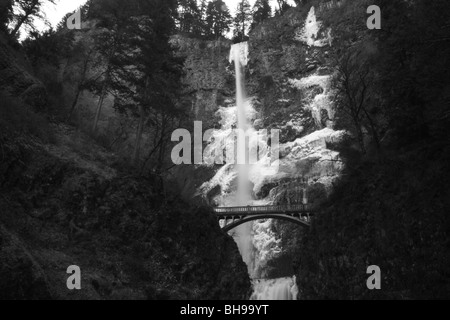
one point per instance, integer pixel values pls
(223, 155)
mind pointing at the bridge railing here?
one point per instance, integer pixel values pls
(262, 209)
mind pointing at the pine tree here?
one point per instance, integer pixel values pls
(188, 12)
(261, 11)
(5, 14)
(283, 6)
(200, 19)
(218, 19)
(25, 13)
(159, 70)
(242, 20)
(142, 72)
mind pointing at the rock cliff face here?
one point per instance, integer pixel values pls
(208, 84)
(288, 81)
(290, 73)
(208, 78)
(279, 60)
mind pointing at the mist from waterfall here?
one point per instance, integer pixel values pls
(275, 289)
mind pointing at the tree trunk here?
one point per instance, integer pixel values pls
(80, 86)
(374, 130)
(74, 103)
(27, 14)
(162, 146)
(99, 110)
(19, 24)
(151, 154)
(361, 139)
(243, 23)
(139, 135)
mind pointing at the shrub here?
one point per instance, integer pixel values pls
(16, 118)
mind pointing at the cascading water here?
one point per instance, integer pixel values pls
(307, 156)
(239, 54)
(242, 234)
(277, 289)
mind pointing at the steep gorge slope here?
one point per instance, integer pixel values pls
(16, 80)
(129, 243)
(67, 201)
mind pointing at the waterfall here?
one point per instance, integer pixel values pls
(239, 54)
(238, 181)
(277, 289)
(243, 233)
(307, 156)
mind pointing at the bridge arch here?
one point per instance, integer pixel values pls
(241, 220)
(233, 217)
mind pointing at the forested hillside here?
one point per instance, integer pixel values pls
(70, 196)
(87, 175)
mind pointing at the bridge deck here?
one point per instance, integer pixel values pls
(261, 210)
